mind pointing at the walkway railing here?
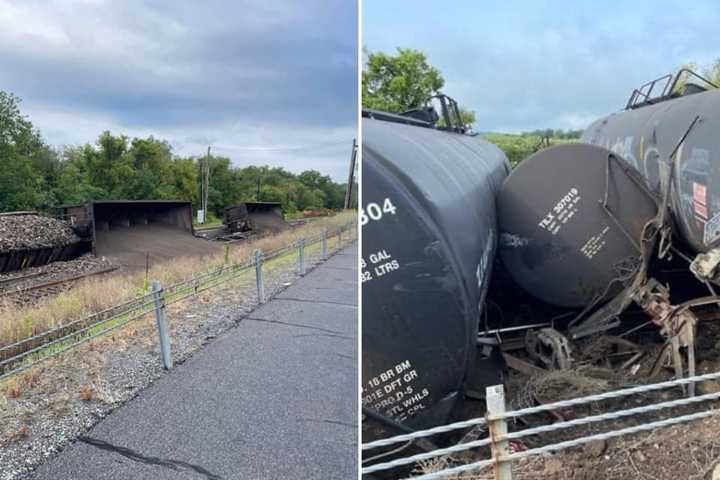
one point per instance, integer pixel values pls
(31, 351)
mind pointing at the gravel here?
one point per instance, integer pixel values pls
(53, 271)
(21, 232)
(50, 411)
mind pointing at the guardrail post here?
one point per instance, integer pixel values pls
(324, 244)
(339, 238)
(162, 324)
(495, 399)
(258, 276)
(301, 256)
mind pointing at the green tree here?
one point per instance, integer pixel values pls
(399, 83)
(34, 176)
(28, 164)
(467, 116)
(711, 73)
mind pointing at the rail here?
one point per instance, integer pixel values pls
(498, 438)
(52, 283)
(29, 352)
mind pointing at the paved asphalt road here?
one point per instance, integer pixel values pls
(274, 398)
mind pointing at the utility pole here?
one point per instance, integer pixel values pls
(351, 175)
(206, 185)
(201, 216)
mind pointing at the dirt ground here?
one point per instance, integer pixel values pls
(130, 246)
(687, 451)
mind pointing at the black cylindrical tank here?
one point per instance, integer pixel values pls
(570, 218)
(428, 242)
(646, 136)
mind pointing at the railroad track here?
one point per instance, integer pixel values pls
(39, 291)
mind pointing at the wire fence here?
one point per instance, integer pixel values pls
(498, 439)
(31, 351)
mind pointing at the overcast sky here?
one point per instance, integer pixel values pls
(523, 65)
(262, 82)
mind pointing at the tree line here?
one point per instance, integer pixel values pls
(405, 80)
(35, 176)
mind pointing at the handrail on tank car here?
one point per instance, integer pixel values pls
(394, 117)
(425, 115)
(450, 113)
(642, 95)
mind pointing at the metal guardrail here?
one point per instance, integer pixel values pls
(50, 343)
(499, 438)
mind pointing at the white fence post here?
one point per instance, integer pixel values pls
(258, 276)
(301, 257)
(324, 244)
(162, 324)
(495, 398)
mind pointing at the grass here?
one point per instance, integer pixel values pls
(518, 147)
(208, 225)
(95, 295)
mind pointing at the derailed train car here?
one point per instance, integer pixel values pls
(643, 177)
(428, 243)
(566, 241)
(645, 135)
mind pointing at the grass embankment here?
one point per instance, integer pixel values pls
(518, 147)
(92, 296)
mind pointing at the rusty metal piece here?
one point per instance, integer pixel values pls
(521, 365)
(549, 347)
(678, 328)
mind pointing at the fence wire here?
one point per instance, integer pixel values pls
(50, 343)
(546, 407)
(495, 440)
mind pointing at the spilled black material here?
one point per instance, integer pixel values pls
(175, 465)
(290, 324)
(303, 300)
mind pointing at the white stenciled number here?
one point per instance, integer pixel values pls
(373, 211)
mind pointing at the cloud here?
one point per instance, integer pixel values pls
(294, 147)
(192, 72)
(526, 65)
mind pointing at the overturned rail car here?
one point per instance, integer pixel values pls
(429, 236)
(92, 218)
(137, 233)
(572, 216)
(38, 247)
(647, 133)
(255, 216)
